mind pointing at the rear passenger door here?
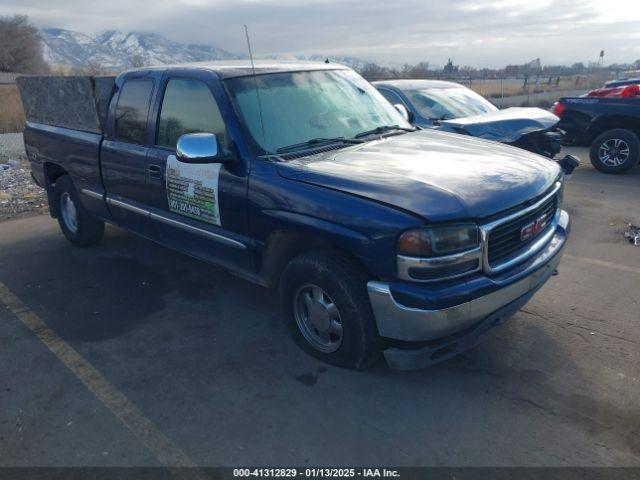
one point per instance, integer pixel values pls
(188, 105)
(124, 153)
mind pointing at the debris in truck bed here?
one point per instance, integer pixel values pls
(633, 234)
(85, 99)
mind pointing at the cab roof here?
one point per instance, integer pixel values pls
(243, 68)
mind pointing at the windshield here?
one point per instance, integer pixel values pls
(447, 103)
(299, 107)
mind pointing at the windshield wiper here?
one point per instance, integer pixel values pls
(382, 129)
(437, 120)
(316, 141)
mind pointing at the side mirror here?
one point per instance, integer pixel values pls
(406, 114)
(198, 148)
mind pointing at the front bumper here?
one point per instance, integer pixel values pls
(456, 328)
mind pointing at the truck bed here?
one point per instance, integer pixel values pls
(66, 140)
(66, 151)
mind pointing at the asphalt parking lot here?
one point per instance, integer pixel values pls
(129, 354)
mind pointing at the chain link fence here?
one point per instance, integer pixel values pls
(538, 92)
(19, 196)
(11, 121)
(519, 91)
(12, 148)
(11, 111)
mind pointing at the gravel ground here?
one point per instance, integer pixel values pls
(19, 195)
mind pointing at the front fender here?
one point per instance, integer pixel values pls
(333, 233)
(365, 229)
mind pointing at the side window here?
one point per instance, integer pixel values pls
(188, 106)
(132, 110)
(392, 97)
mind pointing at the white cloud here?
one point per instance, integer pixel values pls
(472, 32)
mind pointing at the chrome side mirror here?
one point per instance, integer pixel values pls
(197, 148)
(403, 111)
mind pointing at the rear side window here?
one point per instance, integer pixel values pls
(132, 110)
(188, 106)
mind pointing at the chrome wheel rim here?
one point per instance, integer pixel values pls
(69, 212)
(614, 152)
(318, 318)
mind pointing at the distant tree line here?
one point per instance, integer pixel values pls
(373, 71)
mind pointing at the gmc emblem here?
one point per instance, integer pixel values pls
(530, 230)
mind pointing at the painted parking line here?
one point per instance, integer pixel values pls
(605, 185)
(144, 429)
(603, 263)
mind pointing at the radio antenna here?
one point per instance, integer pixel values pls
(255, 81)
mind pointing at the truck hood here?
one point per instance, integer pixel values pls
(506, 125)
(435, 175)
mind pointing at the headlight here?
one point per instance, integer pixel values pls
(438, 241)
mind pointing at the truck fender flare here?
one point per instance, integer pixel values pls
(298, 233)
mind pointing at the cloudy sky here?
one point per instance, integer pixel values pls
(472, 32)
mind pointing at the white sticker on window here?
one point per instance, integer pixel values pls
(192, 189)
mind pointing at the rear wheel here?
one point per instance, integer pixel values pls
(324, 297)
(76, 223)
(615, 151)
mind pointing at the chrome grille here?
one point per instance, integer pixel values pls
(505, 240)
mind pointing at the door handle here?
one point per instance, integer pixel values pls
(154, 171)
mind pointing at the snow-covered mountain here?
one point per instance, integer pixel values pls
(117, 50)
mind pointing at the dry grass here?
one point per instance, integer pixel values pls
(512, 87)
(11, 112)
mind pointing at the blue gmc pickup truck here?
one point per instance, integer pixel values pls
(380, 239)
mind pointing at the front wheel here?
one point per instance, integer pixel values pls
(76, 223)
(615, 151)
(324, 297)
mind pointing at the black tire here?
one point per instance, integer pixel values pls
(88, 229)
(345, 284)
(626, 140)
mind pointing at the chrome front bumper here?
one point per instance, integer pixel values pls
(400, 322)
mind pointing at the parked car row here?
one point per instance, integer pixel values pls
(606, 119)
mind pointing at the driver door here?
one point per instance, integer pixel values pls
(213, 227)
